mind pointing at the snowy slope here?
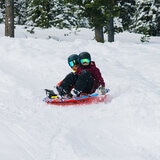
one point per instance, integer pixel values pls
(125, 128)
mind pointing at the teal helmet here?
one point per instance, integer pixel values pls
(73, 60)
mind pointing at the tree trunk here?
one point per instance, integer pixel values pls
(110, 30)
(9, 18)
(99, 36)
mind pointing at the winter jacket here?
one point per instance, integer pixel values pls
(95, 72)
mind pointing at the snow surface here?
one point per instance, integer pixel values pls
(125, 128)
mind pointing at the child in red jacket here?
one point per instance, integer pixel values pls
(86, 79)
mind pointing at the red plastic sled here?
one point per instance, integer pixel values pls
(85, 99)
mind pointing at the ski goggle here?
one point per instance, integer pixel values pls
(85, 60)
(72, 63)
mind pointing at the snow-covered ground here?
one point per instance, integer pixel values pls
(125, 128)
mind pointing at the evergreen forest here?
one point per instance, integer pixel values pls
(103, 16)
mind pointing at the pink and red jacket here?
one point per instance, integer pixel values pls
(96, 74)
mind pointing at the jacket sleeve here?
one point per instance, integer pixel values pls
(95, 73)
(98, 77)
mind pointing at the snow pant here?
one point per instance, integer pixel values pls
(83, 82)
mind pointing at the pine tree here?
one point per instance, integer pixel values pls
(127, 9)
(38, 13)
(98, 14)
(48, 13)
(20, 11)
(2, 10)
(64, 15)
(145, 18)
